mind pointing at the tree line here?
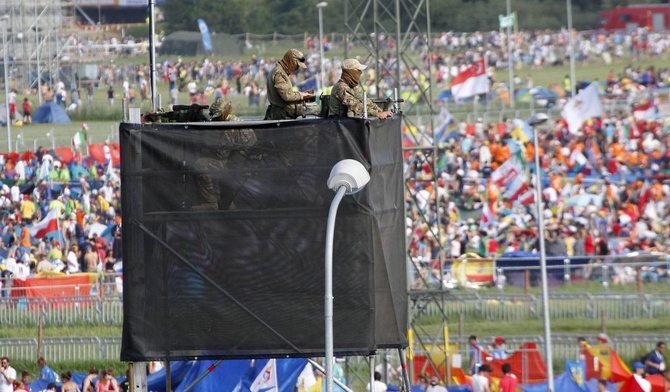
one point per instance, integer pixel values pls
(300, 16)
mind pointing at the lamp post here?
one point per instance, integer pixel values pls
(534, 121)
(346, 178)
(571, 44)
(4, 19)
(320, 7)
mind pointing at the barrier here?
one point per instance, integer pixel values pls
(72, 348)
(507, 307)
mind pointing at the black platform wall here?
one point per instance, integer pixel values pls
(248, 280)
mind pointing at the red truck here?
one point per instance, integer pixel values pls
(655, 17)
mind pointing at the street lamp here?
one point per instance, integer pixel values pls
(4, 19)
(320, 7)
(346, 178)
(534, 121)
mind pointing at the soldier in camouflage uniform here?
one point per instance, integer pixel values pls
(239, 141)
(346, 98)
(284, 102)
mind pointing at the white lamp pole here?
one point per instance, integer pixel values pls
(571, 43)
(534, 121)
(320, 7)
(4, 19)
(346, 178)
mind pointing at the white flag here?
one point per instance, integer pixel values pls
(581, 107)
(266, 381)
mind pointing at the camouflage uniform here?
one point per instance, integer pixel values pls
(284, 102)
(240, 141)
(347, 101)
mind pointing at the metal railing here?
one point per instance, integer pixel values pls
(65, 348)
(64, 310)
(509, 307)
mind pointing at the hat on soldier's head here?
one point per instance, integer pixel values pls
(299, 58)
(353, 64)
(218, 107)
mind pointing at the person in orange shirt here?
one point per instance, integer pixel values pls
(24, 239)
(504, 152)
(616, 150)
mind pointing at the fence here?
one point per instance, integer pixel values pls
(71, 310)
(67, 348)
(509, 307)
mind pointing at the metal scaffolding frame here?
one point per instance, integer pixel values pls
(407, 23)
(35, 40)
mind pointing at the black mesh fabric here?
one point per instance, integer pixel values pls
(246, 279)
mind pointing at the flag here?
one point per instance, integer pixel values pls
(527, 197)
(577, 372)
(80, 140)
(522, 131)
(516, 188)
(645, 111)
(487, 219)
(506, 172)
(110, 175)
(445, 127)
(308, 84)
(507, 20)
(44, 171)
(206, 36)
(266, 381)
(581, 107)
(631, 385)
(46, 225)
(472, 81)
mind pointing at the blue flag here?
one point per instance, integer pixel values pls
(206, 36)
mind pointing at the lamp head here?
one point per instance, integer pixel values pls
(350, 174)
(537, 119)
(321, 4)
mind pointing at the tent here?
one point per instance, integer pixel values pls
(563, 383)
(189, 43)
(527, 364)
(230, 375)
(50, 112)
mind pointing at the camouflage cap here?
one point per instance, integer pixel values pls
(218, 107)
(353, 64)
(299, 58)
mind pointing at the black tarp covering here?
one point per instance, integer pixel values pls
(247, 280)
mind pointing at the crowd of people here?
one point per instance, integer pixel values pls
(605, 191)
(85, 195)
(12, 380)
(449, 54)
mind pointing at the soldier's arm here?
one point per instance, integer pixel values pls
(285, 89)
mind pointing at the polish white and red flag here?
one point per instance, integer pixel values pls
(472, 81)
(46, 225)
(645, 111)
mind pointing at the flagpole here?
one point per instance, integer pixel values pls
(509, 57)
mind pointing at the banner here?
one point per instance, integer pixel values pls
(206, 36)
(507, 20)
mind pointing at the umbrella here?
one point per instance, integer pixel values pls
(584, 200)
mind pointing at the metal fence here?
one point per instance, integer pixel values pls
(74, 310)
(66, 348)
(508, 307)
